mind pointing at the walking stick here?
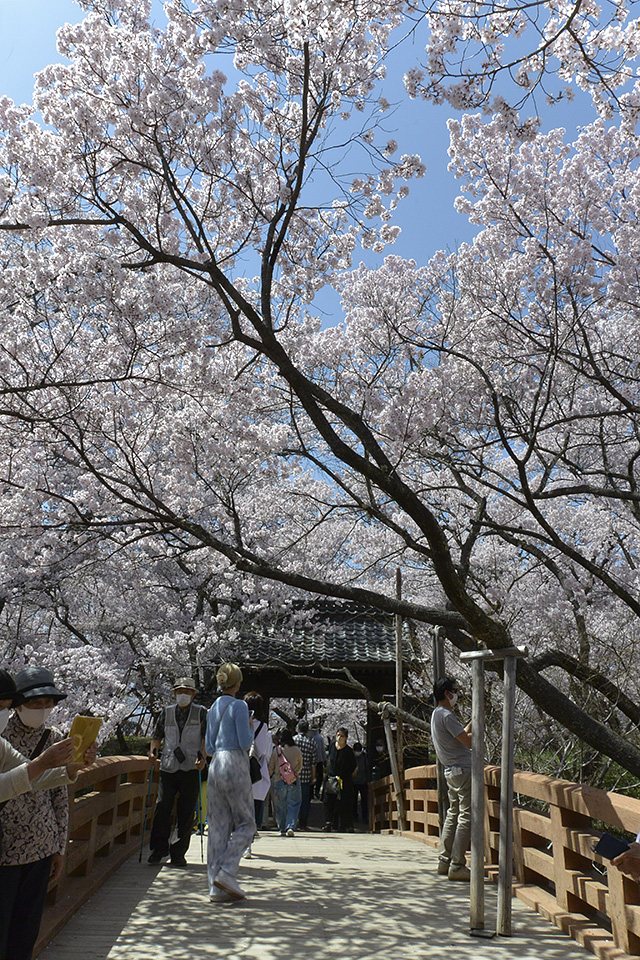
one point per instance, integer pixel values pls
(200, 820)
(146, 814)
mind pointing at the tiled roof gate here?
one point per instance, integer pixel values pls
(301, 659)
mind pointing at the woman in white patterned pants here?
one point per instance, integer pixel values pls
(230, 810)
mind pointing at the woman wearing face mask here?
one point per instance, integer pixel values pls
(34, 826)
(381, 765)
(19, 775)
(338, 808)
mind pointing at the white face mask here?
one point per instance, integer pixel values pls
(4, 718)
(453, 699)
(34, 717)
(183, 699)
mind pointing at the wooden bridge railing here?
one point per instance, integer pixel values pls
(107, 805)
(556, 873)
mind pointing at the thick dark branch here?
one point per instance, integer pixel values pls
(593, 678)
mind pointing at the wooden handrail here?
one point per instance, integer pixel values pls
(556, 822)
(106, 815)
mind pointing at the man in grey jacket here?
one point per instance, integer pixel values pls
(182, 726)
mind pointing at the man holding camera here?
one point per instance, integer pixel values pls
(181, 729)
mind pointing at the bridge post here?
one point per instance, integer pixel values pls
(505, 862)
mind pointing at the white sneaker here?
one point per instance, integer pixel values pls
(247, 855)
(225, 881)
(290, 832)
(219, 896)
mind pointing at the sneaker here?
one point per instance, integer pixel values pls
(225, 881)
(157, 857)
(459, 873)
(327, 828)
(443, 867)
(178, 861)
(290, 832)
(219, 896)
(247, 855)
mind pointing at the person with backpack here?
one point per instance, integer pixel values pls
(285, 766)
(230, 811)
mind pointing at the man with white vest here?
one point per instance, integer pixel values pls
(181, 729)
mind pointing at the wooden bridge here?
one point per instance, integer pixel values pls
(355, 896)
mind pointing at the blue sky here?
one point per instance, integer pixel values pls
(428, 220)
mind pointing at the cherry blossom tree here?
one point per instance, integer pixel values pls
(501, 56)
(172, 398)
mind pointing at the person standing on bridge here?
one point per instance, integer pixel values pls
(321, 750)
(230, 810)
(452, 744)
(307, 776)
(338, 802)
(33, 825)
(18, 774)
(182, 727)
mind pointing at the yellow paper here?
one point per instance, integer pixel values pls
(84, 731)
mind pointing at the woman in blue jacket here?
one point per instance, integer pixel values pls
(230, 811)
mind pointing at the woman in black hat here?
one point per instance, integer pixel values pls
(17, 773)
(34, 827)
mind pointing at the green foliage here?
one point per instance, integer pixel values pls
(136, 747)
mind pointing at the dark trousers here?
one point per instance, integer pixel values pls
(22, 894)
(338, 811)
(361, 790)
(305, 806)
(184, 784)
(319, 778)
(258, 809)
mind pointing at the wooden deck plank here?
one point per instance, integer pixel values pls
(320, 896)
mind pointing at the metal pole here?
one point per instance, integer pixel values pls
(505, 861)
(398, 784)
(399, 677)
(477, 784)
(437, 647)
(146, 811)
(477, 798)
(200, 817)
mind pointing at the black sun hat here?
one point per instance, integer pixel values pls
(37, 682)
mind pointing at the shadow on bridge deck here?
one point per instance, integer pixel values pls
(318, 896)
